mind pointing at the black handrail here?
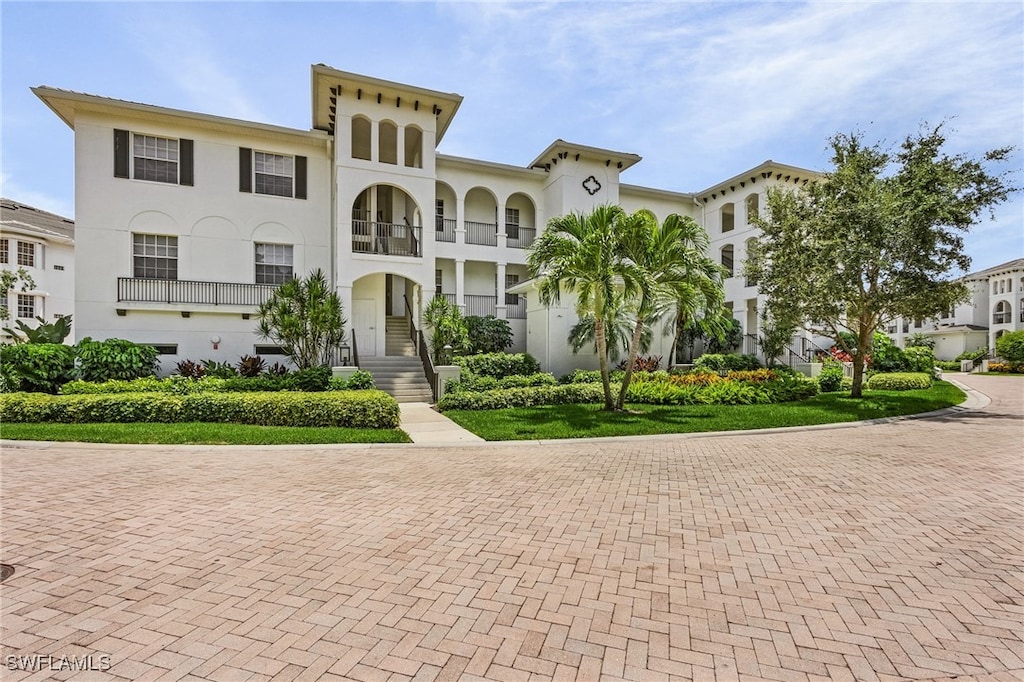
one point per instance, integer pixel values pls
(421, 350)
(355, 350)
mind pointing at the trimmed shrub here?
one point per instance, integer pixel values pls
(719, 362)
(948, 366)
(919, 359)
(36, 367)
(830, 379)
(313, 379)
(899, 381)
(1010, 347)
(361, 380)
(976, 355)
(561, 394)
(498, 364)
(590, 376)
(488, 334)
(115, 359)
(360, 409)
(471, 382)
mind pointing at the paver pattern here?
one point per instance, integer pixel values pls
(879, 552)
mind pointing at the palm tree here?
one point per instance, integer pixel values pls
(581, 253)
(673, 272)
(618, 330)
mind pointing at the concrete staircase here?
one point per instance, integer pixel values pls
(399, 372)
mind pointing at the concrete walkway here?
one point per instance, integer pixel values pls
(424, 424)
(882, 552)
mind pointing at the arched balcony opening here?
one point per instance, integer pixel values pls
(1002, 313)
(413, 147)
(481, 217)
(445, 218)
(387, 143)
(520, 221)
(728, 260)
(728, 217)
(361, 133)
(386, 221)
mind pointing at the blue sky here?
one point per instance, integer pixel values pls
(702, 91)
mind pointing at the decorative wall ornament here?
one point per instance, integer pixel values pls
(592, 185)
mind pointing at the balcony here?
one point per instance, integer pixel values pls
(515, 307)
(481, 305)
(388, 239)
(144, 290)
(445, 229)
(481, 233)
(519, 237)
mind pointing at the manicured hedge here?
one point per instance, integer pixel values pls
(498, 365)
(948, 365)
(304, 380)
(362, 409)
(899, 381)
(721, 362)
(471, 382)
(654, 392)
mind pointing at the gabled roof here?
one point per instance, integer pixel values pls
(28, 219)
(66, 104)
(760, 173)
(560, 149)
(1008, 266)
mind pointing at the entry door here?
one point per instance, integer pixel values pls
(364, 324)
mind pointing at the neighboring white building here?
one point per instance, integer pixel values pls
(996, 306)
(43, 244)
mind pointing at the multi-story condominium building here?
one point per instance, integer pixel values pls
(996, 306)
(41, 246)
(186, 221)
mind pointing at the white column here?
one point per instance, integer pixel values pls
(460, 220)
(502, 235)
(500, 293)
(400, 142)
(460, 283)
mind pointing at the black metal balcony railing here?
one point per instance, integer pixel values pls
(390, 239)
(515, 309)
(145, 290)
(481, 305)
(520, 237)
(445, 229)
(481, 233)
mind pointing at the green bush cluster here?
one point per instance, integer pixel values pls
(725, 362)
(181, 385)
(1010, 347)
(472, 382)
(358, 409)
(36, 367)
(115, 359)
(591, 376)
(830, 379)
(649, 390)
(498, 365)
(361, 380)
(899, 381)
(976, 355)
(948, 365)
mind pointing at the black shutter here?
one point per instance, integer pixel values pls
(185, 162)
(300, 177)
(121, 151)
(244, 169)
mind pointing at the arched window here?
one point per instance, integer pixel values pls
(1002, 313)
(727, 259)
(387, 143)
(413, 147)
(728, 217)
(361, 138)
(753, 202)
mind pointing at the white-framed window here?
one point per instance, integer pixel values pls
(438, 280)
(5, 305)
(274, 263)
(154, 256)
(5, 251)
(26, 306)
(511, 281)
(512, 223)
(27, 254)
(154, 158)
(275, 174)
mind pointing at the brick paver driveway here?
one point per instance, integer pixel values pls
(887, 551)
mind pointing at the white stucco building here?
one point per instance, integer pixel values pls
(996, 306)
(43, 245)
(186, 221)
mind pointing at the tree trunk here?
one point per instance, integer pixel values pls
(634, 350)
(858, 375)
(602, 359)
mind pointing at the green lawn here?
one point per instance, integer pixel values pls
(582, 421)
(199, 433)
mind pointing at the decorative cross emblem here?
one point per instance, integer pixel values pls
(592, 185)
